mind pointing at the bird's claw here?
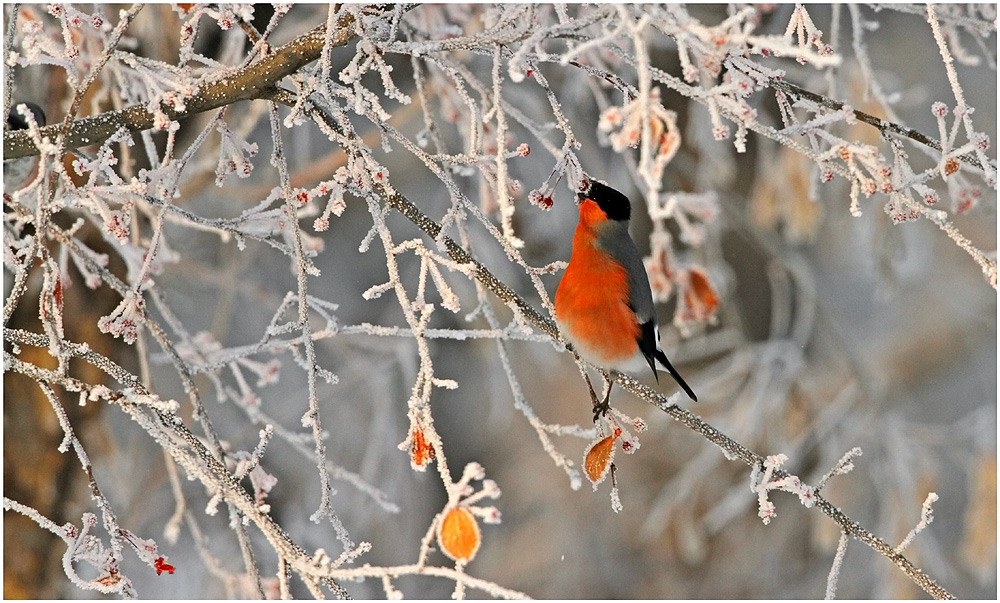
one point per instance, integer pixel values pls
(601, 409)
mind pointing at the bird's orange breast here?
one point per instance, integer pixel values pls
(592, 299)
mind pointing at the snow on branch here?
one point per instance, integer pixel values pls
(390, 162)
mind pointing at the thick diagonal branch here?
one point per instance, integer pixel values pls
(181, 443)
(732, 448)
(245, 84)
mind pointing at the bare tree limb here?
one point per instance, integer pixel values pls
(260, 80)
(730, 447)
(245, 84)
(883, 126)
(181, 445)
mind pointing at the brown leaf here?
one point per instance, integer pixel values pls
(597, 459)
(458, 534)
(700, 297)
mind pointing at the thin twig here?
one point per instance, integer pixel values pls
(883, 125)
(8, 46)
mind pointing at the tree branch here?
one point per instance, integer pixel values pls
(883, 126)
(215, 476)
(246, 84)
(730, 447)
(259, 80)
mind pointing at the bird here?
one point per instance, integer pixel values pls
(603, 304)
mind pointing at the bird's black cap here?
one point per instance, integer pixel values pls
(611, 202)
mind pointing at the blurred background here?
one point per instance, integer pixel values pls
(831, 332)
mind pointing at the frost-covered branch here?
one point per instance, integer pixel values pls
(731, 448)
(247, 83)
(357, 266)
(182, 444)
(883, 125)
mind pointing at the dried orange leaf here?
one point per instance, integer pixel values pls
(422, 451)
(162, 566)
(597, 459)
(458, 534)
(700, 298)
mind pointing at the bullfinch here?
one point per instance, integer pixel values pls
(603, 304)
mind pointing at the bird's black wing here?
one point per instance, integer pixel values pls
(647, 344)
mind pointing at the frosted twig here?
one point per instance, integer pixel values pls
(838, 560)
(312, 416)
(956, 88)
(926, 517)
(762, 482)
(8, 45)
(881, 124)
(183, 446)
(82, 546)
(459, 577)
(843, 466)
(58, 151)
(521, 403)
(503, 195)
(735, 450)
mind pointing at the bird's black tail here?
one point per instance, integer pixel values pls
(673, 373)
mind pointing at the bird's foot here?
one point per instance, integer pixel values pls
(601, 408)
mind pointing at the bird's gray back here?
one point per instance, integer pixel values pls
(613, 239)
